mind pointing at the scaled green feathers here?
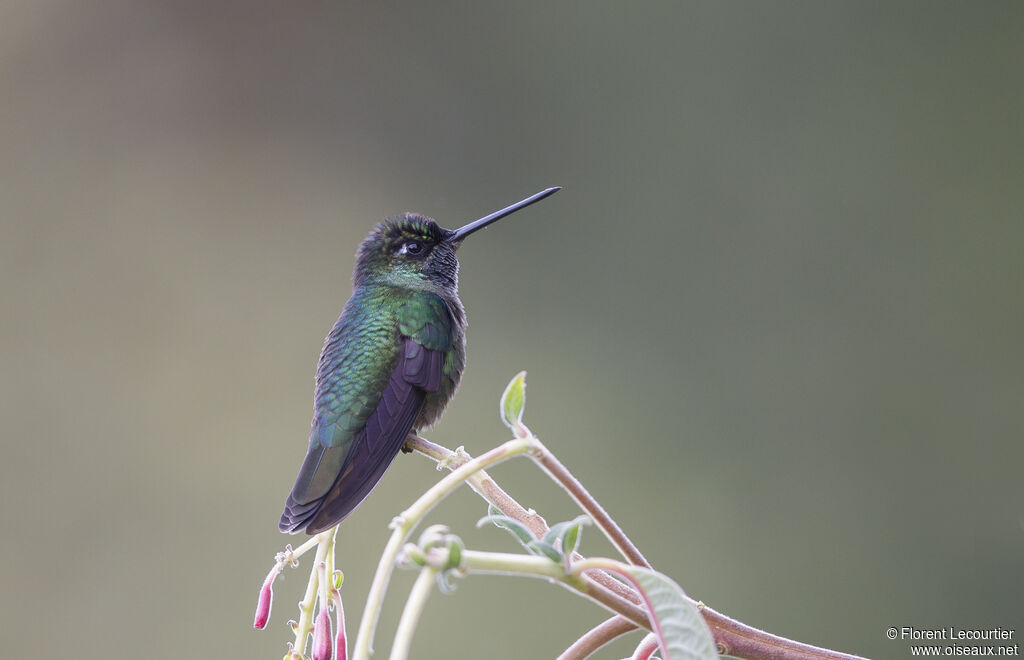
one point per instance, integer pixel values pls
(389, 366)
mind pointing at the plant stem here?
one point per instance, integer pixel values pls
(324, 543)
(520, 564)
(739, 640)
(600, 563)
(481, 483)
(646, 648)
(411, 614)
(375, 599)
(403, 524)
(288, 556)
(561, 475)
(733, 637)
(606, 589)
(543, 567)
(615, 603)
(597, 637)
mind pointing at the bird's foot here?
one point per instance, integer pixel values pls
(406, 449)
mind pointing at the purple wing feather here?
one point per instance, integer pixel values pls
(418, 372)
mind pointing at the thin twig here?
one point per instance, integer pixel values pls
(403, 524)
(411, 614)
(646, 648)
(543, 567)
(490, 491)
(597, 637)
(739, 640)
(324, 543)
(481, 483)
(550, 464)
(614, 602)
(732, 637)
(601, 587)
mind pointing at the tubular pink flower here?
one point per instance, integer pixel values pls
(322, 636)
(339, 642)
(266, 598)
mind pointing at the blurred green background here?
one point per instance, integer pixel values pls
(773, 321)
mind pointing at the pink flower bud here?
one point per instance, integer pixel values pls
(339, 642)
(322, 636)
(263, 606)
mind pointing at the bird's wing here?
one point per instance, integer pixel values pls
(343, 464)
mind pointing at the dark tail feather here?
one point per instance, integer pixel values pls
(296, 515)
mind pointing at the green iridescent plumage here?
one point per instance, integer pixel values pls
(390, 364)
(361, 352)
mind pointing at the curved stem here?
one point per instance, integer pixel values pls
(411, 614)
(375, 599)
(606, 588)
(597, 637)
(603, 564)
(646, 648)
(542, 567)
(403, 525)
(615, 603)
(289, 556)
(481, 483)
(733, 637)
(561, 475)
(739, 640)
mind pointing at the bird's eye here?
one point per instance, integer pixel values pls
(412, 247)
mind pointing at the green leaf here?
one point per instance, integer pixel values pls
(555, 531)
(512, 402)
(544, 548)
(571, 538)
(516, 528)
(568, 532)
(680, 627)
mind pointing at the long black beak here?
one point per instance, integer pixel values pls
(466, 230)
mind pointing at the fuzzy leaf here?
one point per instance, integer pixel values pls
(571, 538)
(684, 634)
(512, 402)
(513, 526)
(555, 531)
(544, 548)
(568, 532)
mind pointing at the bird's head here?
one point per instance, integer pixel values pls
(411, 251)
(414, 252)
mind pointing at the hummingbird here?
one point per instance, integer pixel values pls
(389, 366)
